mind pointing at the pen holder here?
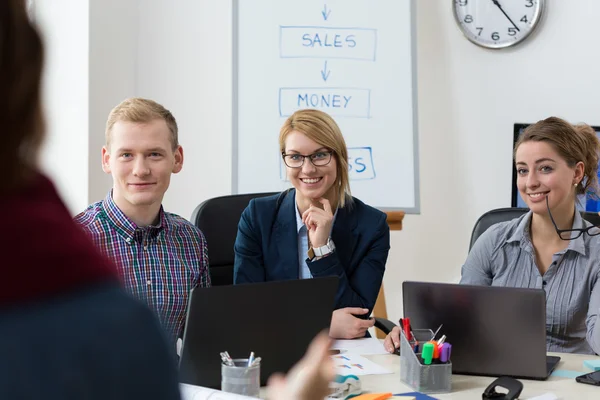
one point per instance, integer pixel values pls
(240, 378)
(433, 378)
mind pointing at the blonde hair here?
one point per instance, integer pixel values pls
(321, 128)
(137, 109)
(574, 143)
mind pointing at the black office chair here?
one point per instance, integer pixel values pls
(506, 214)
(218, 219)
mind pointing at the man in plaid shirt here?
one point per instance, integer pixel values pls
(160, 255)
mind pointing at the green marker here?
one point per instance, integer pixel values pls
(427, 353)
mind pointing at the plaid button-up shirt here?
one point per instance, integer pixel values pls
(157, 264)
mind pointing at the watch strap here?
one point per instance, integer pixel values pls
(321, 251)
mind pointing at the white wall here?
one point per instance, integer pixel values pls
(113, 42)
(185, 63)
(469, 99)
(90, 67)
(65, 27)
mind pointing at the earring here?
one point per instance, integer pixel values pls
(575, 184)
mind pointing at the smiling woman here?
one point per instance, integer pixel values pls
(555, 162)
(317, 228)
(550, 247)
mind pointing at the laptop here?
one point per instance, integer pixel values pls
(275, 320)
(494, 331)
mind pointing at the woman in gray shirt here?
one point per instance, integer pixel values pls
(550, 247)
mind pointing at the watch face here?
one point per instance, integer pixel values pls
(497, 23)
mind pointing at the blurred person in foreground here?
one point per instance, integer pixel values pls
(67, 329)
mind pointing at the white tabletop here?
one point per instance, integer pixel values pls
(471, 387)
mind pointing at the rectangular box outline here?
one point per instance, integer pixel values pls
(368, 116)
(370, 149)
(374, 58)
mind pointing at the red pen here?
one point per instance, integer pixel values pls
(406, 327)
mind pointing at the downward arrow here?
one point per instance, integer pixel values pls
(325, 72)
(325, 12)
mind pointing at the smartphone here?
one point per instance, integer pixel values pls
(593, 378)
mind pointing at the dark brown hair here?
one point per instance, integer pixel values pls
(21, 120)
(574, 143)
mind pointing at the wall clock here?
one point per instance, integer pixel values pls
(496, 24)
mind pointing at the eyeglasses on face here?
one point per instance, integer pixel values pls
(318, 159)
(570, 234)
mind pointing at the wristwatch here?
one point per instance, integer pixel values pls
(321, 251)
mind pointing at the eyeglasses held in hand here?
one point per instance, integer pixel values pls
(318, 159)
(570, 234)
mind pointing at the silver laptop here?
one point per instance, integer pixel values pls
(494, 331)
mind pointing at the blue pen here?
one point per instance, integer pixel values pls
(251, 358)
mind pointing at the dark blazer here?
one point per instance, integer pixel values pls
(266, 248)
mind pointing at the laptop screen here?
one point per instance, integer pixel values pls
(493, 330)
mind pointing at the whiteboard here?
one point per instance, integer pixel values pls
(355, 60)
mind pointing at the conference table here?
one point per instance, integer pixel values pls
(471, 387)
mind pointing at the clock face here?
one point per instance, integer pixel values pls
(497, 23)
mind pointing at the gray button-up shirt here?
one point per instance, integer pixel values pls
(504, 256)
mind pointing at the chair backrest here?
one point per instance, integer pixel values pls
(218, 220)
(506, 214)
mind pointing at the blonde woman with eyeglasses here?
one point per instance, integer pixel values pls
(316, 228)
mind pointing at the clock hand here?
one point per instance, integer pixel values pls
(497, 3)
